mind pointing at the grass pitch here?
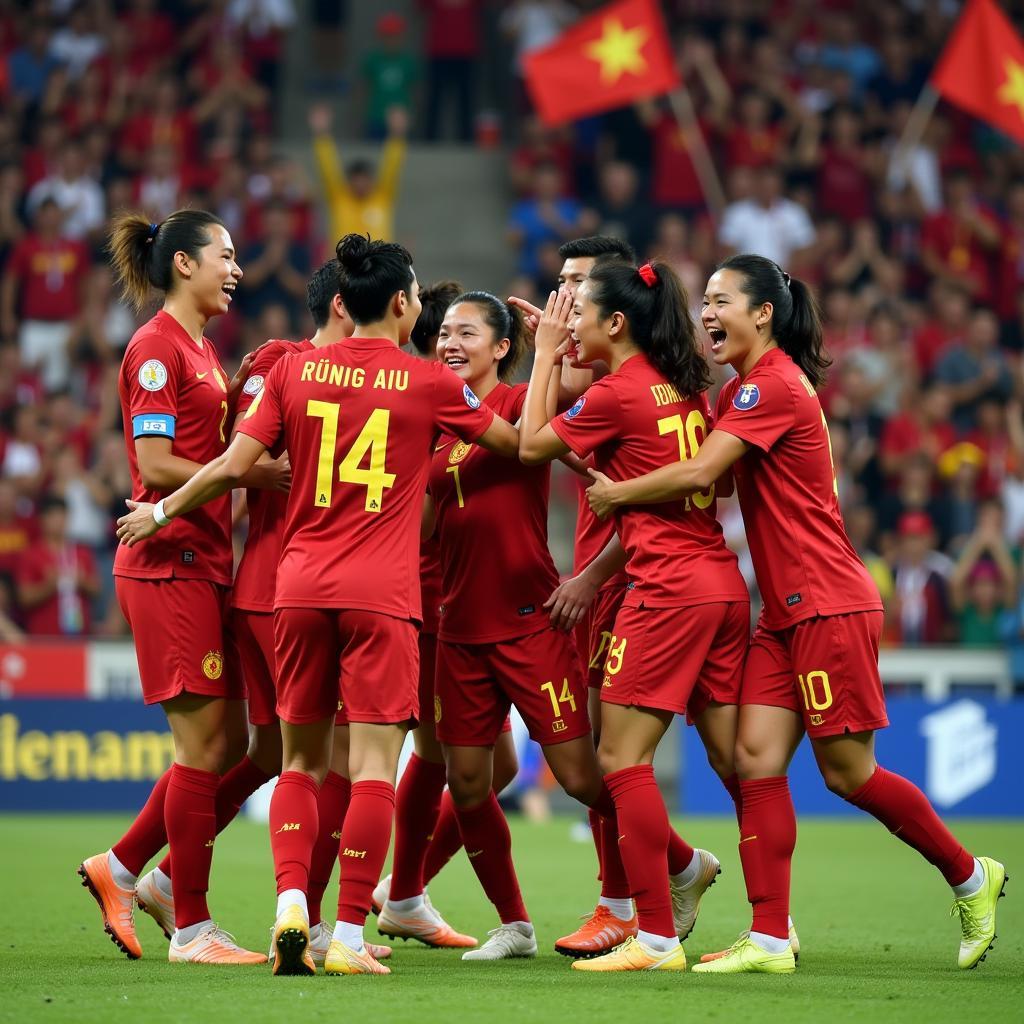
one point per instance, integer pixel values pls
(877, 942)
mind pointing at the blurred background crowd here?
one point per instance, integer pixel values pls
(917, 253)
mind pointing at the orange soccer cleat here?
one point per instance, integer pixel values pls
(599, 934)
(425, 925)
(116, 904)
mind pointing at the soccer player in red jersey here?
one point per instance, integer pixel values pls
(813, 663)
(683, 580)
(175, 405)
(426, 830)
(496, 646)
(364, 417)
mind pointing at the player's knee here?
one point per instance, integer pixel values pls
(838, 780)
(609, 759)
(579, 784)
(722, 763)
(468, 787)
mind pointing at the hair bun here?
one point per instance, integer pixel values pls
(353, 253)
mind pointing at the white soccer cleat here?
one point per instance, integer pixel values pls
(506, 942)
(686, 901)
(212, 945)
(381, 894)
(153, 901)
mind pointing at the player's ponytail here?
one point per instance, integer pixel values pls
(371, 273)
(507, 322)
(435, 299)
(142, 251)
(655, 305)
(796, 321)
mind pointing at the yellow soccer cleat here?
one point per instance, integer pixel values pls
(978, 915)
(291, 943)
(321, 935)
(686, 901)
(744, 957)
(116, 904)
(342, 959)
(633, 955)
(794, 944)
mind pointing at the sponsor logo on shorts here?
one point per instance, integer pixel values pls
(793, 599)
(254, 385)
(152, 375)
(213, 664)
(471, 400)
(571, 414)
(357, 854)
(558, 725)
(527, 609)
(458, 453)
(817, 720)
(607, 681)
(437, 709)
(188, 557)
(747, 397)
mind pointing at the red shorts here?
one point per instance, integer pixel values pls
(254, 634)
(825, 669)
(428, 667)
(595, 630)
(478, 683)
(181, 640)
(345, 660)
(677, 659)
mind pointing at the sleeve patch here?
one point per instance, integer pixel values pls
(153, 424)
(571, 414)
(746, 397)
(152, 375)
(471, 400)
(254, 385)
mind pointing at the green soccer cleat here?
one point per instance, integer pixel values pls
(745, 957)
(978, 915)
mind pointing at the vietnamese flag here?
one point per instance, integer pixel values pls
(616, 56)
(982, 68)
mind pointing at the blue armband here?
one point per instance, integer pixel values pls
(153, 424)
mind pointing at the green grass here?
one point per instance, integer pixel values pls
(872, 920)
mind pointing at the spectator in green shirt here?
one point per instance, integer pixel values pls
(390, 72)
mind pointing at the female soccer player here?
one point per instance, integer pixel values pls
(683, 580)
(364, 417)
(426, 831)
(176, 405)
(496, 646)
(813, 661)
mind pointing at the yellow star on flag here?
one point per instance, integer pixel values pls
(618, 51)
(1012, 90)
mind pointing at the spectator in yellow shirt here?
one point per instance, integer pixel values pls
(359, 198)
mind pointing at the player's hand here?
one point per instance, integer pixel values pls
(569, 602)
(531, 313)
(137, 525)
(280, 474)
(601, 495)
(552, 337)
(242, 373)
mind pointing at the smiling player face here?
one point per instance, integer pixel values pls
(466, 345)
(588, 330)
(214, 273)
(728, 318)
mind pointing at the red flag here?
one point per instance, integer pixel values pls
(614, 57)
(982, 68)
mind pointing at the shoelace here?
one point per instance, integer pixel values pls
(970, 927)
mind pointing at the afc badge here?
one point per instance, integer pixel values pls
(747, 397)
(152, 375)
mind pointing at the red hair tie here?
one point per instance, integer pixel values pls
(649, 275)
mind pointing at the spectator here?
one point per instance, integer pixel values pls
(56, 578)
(390, 71)
(277, 267)
(621, 210)
(846, 51)
(452, 48)
(78, 43)
(40, 295)
(547, 216)
(18, 531)
(29, 67)
(77, 195)
(360, 199)
(920, 579)
(767, 224)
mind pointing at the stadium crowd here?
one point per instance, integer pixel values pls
(917, 254)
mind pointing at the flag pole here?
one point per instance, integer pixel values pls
(917, 124)
(686, 118)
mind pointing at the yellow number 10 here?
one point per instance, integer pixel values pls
(372, 439)
(689, 444)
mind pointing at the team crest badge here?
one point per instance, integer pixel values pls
(471, 400)
(152, 375)
(458, 453)
(746, 397)
(572, 413)
(437, 709)
(254, 385)
(213, 664)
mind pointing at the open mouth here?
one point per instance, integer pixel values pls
(455, 362)
(717, 336)
(229, 289)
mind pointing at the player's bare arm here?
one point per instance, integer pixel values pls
(570, 600)
(538, 443)
(716, 455)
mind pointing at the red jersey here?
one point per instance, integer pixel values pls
(592, 536)
(67, 611)
(634, 422)
(256, 577)
(805, 563)
(359, 419)
(492, 525)
(430, 584)
(50, 274)
(171, 387)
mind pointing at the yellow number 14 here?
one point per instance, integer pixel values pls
(565, 697)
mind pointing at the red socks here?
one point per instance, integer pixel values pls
(148, 834)
(614, 881)
(445, 841)
(732, 787)
(417, 804)
(905, 811)
(680, 852)
(488, 845)
(332, 804)
(234, 789)
(365, 838)
(191, 823)
(767, 841)
(643, 842)
(294, 822)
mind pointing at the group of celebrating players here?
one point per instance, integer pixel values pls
(396, 574)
